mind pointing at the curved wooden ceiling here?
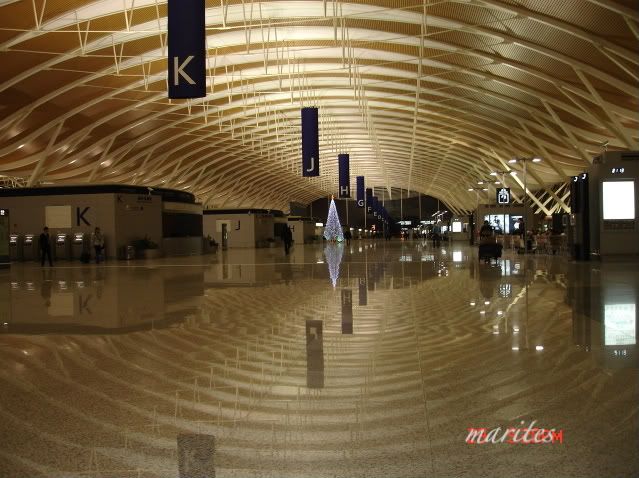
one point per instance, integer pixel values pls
(427, 96)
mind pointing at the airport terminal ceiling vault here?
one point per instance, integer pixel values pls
(427, 96)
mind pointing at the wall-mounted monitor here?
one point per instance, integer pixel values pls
(457, 226)
(618, 200)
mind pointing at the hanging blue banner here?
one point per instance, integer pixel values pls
(310, 142)
(344, 175)
(374, 205)
(187, 50)
(360, 191)
(369, 201)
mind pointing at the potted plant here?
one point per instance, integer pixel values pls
(146, 247)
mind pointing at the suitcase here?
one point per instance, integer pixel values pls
(490, 251)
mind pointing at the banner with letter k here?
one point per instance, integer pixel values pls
(187, 50)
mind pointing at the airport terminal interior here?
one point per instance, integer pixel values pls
(313, 238)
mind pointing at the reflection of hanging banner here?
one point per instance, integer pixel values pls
(344, 176)
(187, 51)
(360, 191)
(310, 142)
(363, 292)
(314, 354)
(347, 311)
(196, 455)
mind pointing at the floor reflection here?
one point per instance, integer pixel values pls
(284, 368)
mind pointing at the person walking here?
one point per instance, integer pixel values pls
(347, 235)
(98, 244)
(45, 246)
(288, 239)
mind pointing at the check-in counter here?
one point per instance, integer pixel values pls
(63, 247)
(16, 243)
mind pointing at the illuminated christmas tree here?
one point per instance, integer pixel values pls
(333, 230)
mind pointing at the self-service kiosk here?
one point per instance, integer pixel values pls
(80, 244)
(15, 247)
(604, 204)
(63, 246)
(30, 248)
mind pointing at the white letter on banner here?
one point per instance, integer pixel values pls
(179, 70)
(312, 168)
(344, 190)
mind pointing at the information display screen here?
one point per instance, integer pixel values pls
(457, 226)
(618, 200)
(57, 217)
(60, 238)
(28, 238)
(78, 237)
(620, 324)
(503, 223)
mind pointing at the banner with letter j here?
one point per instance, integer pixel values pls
(310, 142)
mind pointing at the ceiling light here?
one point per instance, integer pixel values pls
(470, 189)
(512, 161)
(493, 174)
(536, 160)
(485, 189)
(539, 347)
(480, 182)
(497, 182)
(21, 146)
(513, 173)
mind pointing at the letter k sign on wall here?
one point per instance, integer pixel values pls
(187, 52)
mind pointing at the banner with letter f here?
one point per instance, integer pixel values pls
(187, 50)
(344, 175)
(310, 142)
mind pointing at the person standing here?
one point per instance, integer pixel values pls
(288, 239)
(45, 246)
(98, 244)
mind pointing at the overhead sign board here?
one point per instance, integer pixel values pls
(503, 196)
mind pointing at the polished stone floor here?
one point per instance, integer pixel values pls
(363, 361)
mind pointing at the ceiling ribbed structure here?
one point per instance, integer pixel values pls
(427, 96)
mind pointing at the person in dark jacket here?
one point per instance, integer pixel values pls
(347, 235)
(486, 230)
(287, 237)
(45, 246)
